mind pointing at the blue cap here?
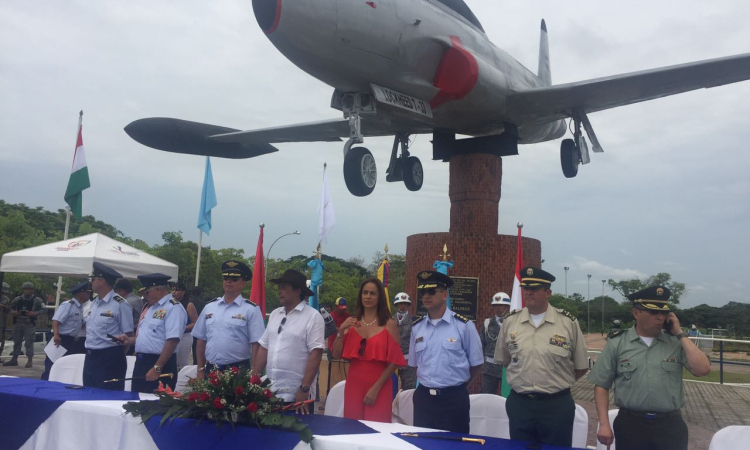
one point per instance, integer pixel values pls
(154, 279)
(341, 301)
(80, 287)
(106, 272)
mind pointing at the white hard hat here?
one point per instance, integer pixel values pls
(501, 298)
(402, 297)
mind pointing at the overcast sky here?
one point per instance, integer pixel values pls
(670, 193)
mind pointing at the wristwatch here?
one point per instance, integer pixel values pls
(304, 389)
(681, 335)
(157, 369)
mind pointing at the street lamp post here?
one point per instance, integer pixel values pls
(566, 281)
(588, 304)
(268, 253)
(603, 281)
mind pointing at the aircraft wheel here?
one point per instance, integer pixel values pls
(360, 172)
(570, 157)
(413, 174)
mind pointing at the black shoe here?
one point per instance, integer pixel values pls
(12, 362)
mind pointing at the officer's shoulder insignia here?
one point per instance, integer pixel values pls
(211, 301)
(460, 317)
(567, 314)
(613, 333)
(117, 298)
(174, 301)
(417, 320)
(252, 303)
(508, 314)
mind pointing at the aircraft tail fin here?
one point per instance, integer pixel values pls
(544, 73)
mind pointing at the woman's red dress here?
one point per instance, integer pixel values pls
(379, 351)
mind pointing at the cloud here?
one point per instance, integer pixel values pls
(604, 271)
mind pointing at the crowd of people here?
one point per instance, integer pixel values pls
(532, 355)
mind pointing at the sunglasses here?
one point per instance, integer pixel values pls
(235, 279)
(362, 346)
(432, 291)
(281, 325)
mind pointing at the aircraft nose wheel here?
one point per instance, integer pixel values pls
(570, 158)
(413, 174)
(360, 172)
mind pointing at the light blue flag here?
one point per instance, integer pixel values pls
(316, 280)
(208, 200)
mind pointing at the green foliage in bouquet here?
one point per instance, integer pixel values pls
(233, 395)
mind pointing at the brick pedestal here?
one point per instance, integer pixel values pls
(473, 243)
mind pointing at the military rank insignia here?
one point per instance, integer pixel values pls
(160, 314)
(561, 341)
(239, 317)
(512, 344)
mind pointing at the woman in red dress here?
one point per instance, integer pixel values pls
(370, 340)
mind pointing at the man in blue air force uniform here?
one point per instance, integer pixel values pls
(111, 316)
(157, 335)
(67, 323)
(447, 352)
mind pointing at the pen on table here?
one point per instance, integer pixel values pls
(446, 438)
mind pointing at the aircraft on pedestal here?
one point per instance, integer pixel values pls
(406, 67)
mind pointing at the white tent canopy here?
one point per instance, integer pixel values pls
(75, 257)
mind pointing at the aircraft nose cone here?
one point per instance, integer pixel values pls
(267, 13)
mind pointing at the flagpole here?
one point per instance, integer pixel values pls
(198, 263)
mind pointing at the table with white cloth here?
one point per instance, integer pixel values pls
(37, 414)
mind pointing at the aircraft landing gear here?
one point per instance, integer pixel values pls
(574, 152)
(404, 168)
(360, 172)
(570, 158)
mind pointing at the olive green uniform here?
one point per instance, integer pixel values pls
(540, 366)
(648, 388)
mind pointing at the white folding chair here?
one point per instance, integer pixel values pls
(403, 408)
(580, 427)
(335, 400)
(488, 416)
(185, 374)
(612, 414)
(129, 371)
(733, 437)
(68, 369)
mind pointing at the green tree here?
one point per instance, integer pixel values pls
(627, 287)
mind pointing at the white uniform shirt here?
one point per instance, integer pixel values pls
(165, 319)
(289, 351)
(229, 330)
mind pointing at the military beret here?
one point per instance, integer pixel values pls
(429, 279)
(534, 276)
(233, 268)
(654, 298)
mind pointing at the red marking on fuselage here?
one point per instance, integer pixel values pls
(275, 19)
(456, 74)
(372, 5)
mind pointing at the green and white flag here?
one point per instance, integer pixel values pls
(79, 178)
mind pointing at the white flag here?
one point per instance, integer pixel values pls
(327, 216)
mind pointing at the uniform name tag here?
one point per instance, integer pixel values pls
(452, 340)
(419, 339)
(209, 315)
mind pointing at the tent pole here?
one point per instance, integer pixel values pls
(198, 263)
(65, 238)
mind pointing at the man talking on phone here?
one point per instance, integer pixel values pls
(645, 363)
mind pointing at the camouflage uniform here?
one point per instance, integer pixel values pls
(408, 375)
(492, 373)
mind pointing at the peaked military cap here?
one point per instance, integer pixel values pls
(106, 272)
(429, 279)
(654, 298)
(534, 276)
(234, 268)
(154, 279)
(80, 287)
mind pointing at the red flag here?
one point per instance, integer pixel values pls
(258, 290)
(516, 297)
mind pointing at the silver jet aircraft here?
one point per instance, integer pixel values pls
(406, 67)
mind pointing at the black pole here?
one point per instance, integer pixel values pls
(721, 362)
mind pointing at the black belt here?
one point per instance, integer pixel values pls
(101, 351)
(541, 396)
(244, 363)
(444, 391)
(651, 415)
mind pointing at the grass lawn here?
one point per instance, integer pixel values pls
(729, 377)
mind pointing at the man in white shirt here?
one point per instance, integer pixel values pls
(292, 345)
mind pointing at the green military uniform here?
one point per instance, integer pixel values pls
(540, 363)
(647, 380)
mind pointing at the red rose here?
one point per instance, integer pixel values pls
(235, 370)
(214, 381)
(193, 397)
(252, 407)
(213, 375)
(268, 393)
(238, 390)
(203, 396)
(255, 379)
(217, 403)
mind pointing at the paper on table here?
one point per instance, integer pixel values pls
(54, 352)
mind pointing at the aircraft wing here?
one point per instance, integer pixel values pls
(545, 104)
